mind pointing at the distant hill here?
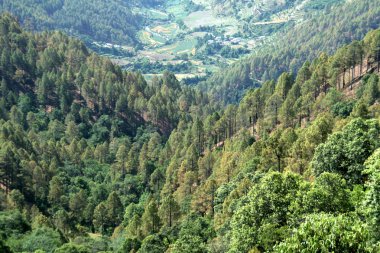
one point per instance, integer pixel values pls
(107, 21)
(286, 51)
(257, 10)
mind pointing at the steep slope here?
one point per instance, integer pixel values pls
(61, 76)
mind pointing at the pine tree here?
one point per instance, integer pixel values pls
(78, 203)
(100, 218)
(150, 219)
(121, 158)
(169, 211)
(115, 209)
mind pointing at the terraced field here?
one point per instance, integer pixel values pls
(134, 32)
(152, 39)
(185, 46)
(167, 30)
(209, 34)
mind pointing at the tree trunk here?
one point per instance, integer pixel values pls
(352, 77)
(338, 81)
(212, 200)
(361, 65)
(300, 169)
(276, 116)
(170, 215)
(344, 78)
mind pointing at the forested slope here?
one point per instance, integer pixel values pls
(93, 159)
(323, 32)
(95, 20)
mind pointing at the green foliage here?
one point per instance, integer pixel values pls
(193, 235)
(42, 238)
(270, 61)
(371, 206)
(360, 110)
(342, 109)
(72, 248)
(97, 244)
(327, 233)
(83, 18)
(328, 194)
(369, 91)
(97, 157)
(153, 244)
(150, 218)
(100, 218)
(115, 209)
(263, 219)
(12, 222)
(4, 248)
(345, 152)
(187, 243)
(131, 245)
(169, 211)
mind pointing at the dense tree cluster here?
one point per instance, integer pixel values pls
(80, 138)
(111, 21)
(95, 159)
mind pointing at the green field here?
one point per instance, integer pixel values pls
(150, 39)
(165, 40)
(180, 47)
(168, 30)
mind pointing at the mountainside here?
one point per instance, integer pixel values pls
(67, 77)
(94, 20)
(95, 159)
(288, 50)
(259, 10)
(191, 38)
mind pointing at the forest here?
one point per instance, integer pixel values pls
(111, 21)
(96, 159)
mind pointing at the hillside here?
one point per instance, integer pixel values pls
(191, 38)
(95, 159)
(194, 39)
(288, 50)
(275, 10)
(94, 20)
